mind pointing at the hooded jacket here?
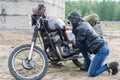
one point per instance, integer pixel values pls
(87, 37)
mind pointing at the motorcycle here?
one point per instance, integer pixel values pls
(31, 62)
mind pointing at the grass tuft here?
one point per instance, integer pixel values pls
(3, 58)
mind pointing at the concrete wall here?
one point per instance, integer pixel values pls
(13, 13)
(55, 8)
(111, 23)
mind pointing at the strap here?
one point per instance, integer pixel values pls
(109, 69)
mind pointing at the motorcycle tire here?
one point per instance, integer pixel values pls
(77, 62)
(24, 69)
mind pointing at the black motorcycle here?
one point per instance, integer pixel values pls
(30, 62)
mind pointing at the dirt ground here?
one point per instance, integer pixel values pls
(8, 41)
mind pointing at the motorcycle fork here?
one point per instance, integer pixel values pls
(35, 34)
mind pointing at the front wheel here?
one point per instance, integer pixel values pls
(23, 69)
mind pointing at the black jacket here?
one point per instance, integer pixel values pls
(87, 37)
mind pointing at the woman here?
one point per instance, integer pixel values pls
(94, 21)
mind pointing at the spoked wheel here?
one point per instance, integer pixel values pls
(23, 69)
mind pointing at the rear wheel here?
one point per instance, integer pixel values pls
(23, 69)
(77, 62)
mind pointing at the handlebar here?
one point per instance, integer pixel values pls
(36, 20)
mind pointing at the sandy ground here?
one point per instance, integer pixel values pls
(8, 41)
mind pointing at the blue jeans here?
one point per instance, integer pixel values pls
(96, 66)
(85, 54)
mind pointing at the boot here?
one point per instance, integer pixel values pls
(113, 68)
(85, 66)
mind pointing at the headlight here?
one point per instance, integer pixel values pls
(30, 20)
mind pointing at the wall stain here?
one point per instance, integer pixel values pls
(3, 18)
